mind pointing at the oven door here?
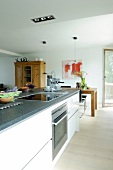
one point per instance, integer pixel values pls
(59, 131)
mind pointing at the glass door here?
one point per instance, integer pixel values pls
(108, 77)
(27, 75)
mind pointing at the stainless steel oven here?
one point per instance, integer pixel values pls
(59, 128)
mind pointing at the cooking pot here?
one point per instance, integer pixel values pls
(57, 87)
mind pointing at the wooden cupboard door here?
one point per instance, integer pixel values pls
(36, 76)
(42, 76)
(18, 76)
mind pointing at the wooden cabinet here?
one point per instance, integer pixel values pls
(32, 72)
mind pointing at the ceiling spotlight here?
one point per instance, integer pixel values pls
(45, 18)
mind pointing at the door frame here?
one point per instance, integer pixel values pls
(104, 77)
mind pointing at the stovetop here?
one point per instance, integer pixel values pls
(42, 97)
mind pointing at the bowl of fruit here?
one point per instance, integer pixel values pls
(30, 86)
(24, 89)
(6, 98)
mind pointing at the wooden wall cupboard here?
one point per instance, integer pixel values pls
(32, 72)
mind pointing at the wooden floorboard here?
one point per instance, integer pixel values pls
(92, 147)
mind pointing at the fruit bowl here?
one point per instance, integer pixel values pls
(30, 87)
(23, 89)
(6, 99)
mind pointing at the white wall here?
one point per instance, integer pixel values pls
(92, 63)
(7, 73)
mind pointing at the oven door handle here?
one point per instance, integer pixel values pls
(59, 121)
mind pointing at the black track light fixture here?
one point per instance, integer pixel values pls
(42, 19)
(75, 38)
(43, 42)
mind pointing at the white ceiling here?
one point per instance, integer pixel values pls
(90, 20)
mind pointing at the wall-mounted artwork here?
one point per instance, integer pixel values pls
(70, 68)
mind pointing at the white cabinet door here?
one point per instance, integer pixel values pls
(73, 125)
(21, 142)
(43, 160)
(73, 104)
(73, 115)
(77, 121)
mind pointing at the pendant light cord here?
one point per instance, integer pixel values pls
(75, 38)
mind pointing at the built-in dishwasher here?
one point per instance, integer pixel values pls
(59, 128)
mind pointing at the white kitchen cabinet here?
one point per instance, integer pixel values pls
(28, 145)
(73, 115)
(73, 125)
(72, 120)
(43, 160)
(19, 144)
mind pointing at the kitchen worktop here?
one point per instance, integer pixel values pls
(13, 115)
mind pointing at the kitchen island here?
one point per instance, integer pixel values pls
(26, 131)
(16, 114)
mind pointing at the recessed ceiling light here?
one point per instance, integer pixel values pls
(45, 18)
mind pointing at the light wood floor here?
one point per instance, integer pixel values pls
(92, 147)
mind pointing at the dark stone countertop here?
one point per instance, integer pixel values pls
(13, 115)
